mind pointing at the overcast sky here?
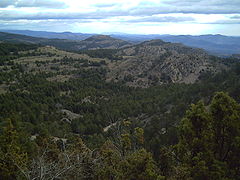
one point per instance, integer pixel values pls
(126, 16)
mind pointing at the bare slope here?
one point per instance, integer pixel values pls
(157, 62)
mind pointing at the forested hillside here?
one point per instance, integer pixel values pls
(157, 62)
(215, 44)
(93, 42)
(66, 115)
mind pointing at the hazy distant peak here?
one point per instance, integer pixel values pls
(99, 37)
(154, 42)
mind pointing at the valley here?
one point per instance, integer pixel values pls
(103, 98)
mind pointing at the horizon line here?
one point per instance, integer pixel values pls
(115, 33)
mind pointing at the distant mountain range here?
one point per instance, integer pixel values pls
(93, 42)
(51, 35)
(214, 44)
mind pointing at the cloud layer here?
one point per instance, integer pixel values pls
(33, 3)
(114, 13)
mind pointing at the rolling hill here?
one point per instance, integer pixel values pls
(146, 64)
(157, 62)
(94, 42)
(218, 45)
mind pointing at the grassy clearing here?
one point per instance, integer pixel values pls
(3, 88)
(59, 78)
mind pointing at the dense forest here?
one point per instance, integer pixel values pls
(60, 119)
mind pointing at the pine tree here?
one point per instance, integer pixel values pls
(225, 113)
(209, 140)
(11, 155)
(194, 141)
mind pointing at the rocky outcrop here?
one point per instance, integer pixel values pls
(157, 62)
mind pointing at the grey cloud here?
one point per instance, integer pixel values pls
(206, 3)
(190, 6)
(40, 3)
(229, 3)
(42, 25)
(145, 8)
(162, 19)
(33, 3)
(195, 9)
(237, 21)
(13, 15)
(143, 11)
(235, 17)
(181, 3)
(106, 5)
(6, 3)
(141, 15)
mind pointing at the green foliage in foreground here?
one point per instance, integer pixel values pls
(11, 153)
(208, 145)
(208, 148)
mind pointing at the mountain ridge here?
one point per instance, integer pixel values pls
(94, 42)
(215, 44)
(51, 35)
(149, 63)
(157, 62)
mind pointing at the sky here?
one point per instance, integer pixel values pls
(192, 17)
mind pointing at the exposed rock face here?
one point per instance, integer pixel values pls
(156, 62)
(69, 115)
